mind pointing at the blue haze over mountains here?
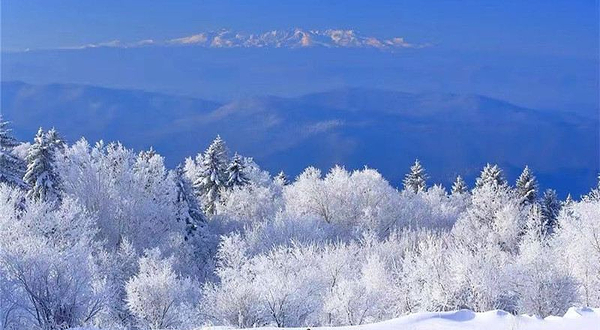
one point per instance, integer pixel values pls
(225, 74)
(450, 133)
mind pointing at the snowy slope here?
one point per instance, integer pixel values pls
(574, 319)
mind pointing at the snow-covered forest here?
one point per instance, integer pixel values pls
(99, 235)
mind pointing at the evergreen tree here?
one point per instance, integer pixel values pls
(569, 201)
(6, 138)
(567, 205)
(282, 179)
(526, 186)
(536, 225)
(415, 180)
(12, 168)
(550, 208)
(459, 186)
(41, 175)
(193, 216)
(236, 172)
(491, 174)
(55, 140)
(594, 195)
(212, 175)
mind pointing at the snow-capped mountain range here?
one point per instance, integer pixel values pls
(294, 38)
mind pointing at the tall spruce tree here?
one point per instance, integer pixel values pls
(12, 168)
(281, 179)
(491, 174)
(567, 205)
(41, 175)
(568, 201)
(416, 179)
(193, 216)
(6, 138)
(236, 172)
(527, 186)
(56, 141)
(535, 223)
(459, 186)
(550, 207)
(212, 175)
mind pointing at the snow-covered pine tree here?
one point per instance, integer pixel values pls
(568, 201)
(550, 207)
(213, 175)
(12, 168)
(491, 174)
(459, 186)
(236, 172)
(535, 224)
(41, 176)
(594, 195)
(567, 206)
(6, 138)
(281, 179)
(185, 195)
(56, 141)
(415, 180)
(527, 186)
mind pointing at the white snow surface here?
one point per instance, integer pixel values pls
(574, 319)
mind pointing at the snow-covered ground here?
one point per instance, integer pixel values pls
(574, 319)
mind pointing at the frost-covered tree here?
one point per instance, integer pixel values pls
(536, 226)
(134, 196)
(281, 179)
(349, 202)
(544, 287)
(550, 208)
(191, 210)
(55, 140)
(41, 175)
(577, 236)
(236, 175)
(568, 201)
(6, 138)
(526, 186)
(459, 186)
(212, 175)
(46, 264)
(158, 297)
(593, 195)
(251, 205)
(115, 268)
(12, 168)
(495, 214)
(491, 174)
(362, 296)
(415, 180)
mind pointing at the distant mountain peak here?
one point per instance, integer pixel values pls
(295, 38)
(286, 38)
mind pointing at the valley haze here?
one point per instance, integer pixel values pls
(451, 134)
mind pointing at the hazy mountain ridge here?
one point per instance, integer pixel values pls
(226, 74)
(451, 134)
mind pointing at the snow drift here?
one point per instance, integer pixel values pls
(575, 318)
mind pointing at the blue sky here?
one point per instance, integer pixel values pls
(554, 28)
